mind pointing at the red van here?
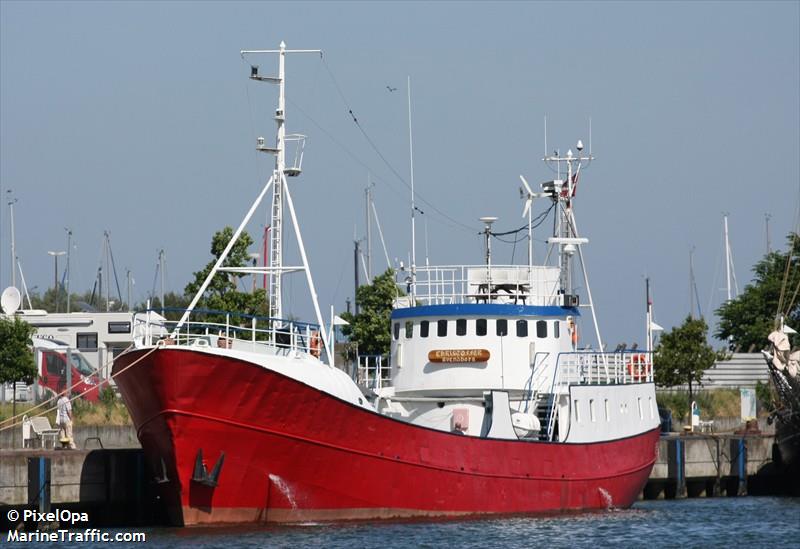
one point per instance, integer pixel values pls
(53, 370)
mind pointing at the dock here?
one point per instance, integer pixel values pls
(711, 465)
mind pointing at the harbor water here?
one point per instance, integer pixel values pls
(702, 522)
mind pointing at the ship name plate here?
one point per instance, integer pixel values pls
(459, 355)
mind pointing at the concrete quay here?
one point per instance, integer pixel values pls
(696, 465)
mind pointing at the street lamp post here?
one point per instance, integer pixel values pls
(55, 273)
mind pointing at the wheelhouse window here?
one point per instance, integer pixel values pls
(396, 331)
(461, 326)
(424, 328)
(522, 328)
(502, 326)
(556, 329)
(480, 326)
(441, 328)
(541, 329)
(409, 329)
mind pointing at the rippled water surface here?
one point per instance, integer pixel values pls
(743, 522)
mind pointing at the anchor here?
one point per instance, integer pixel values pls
(201, 474)
(163, 479)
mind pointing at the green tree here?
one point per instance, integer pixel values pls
(222, 293)
(16, 356)
(371, 327)
(747, 320)
(683, 354)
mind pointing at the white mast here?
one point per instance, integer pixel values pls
(161, 260)
(691, 281)
(727, 257)
(413, 207)
(69, 247)
(767, 217)
(567, 239)
(13, 243)
(368, 198)
(487, 231)
(276, 219)
(130, 284)
(649, 316)
(730, 274)
(108, 270)
(380, 233)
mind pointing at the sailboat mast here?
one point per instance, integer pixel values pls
(69, 249)
(368, 198)
(727, 257)
(649, 315)
(161, 273)
(13, 244)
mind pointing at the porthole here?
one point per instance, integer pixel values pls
(502, 327)
(541, 329)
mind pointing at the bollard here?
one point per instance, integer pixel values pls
(39, 483)
(717, 483)
(677, 466)
(742, 467)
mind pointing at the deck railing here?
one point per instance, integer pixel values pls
(228, 330)
(455, 284)
(592, 368)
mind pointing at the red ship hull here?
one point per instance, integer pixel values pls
(294, 453)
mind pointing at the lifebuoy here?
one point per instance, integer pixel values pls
(638, 367)
(314, 344)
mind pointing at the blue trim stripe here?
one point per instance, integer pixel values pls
(484, 309)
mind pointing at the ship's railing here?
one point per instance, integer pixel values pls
(456, 284)
(373, 371)
(227, 330)
(593, 368)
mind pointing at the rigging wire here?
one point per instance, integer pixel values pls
(535, 222)
(342, 146)
(383, 158)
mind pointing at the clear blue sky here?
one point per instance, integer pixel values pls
(138, 118)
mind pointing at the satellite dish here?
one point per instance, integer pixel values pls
(10, 300)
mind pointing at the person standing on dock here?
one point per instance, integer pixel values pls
(64, 420)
